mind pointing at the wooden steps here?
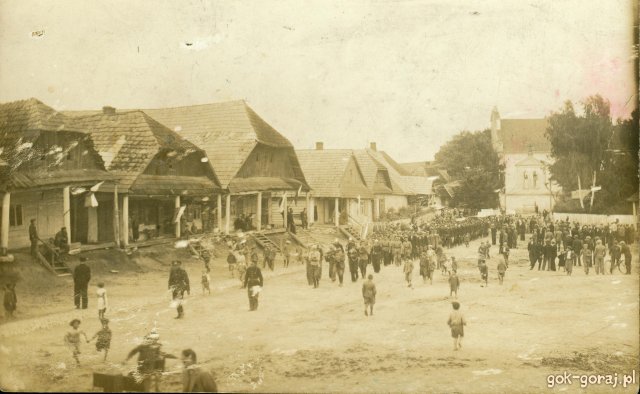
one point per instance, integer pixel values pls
(263, 241)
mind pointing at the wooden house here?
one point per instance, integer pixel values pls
(45, 158)
(164, 180)
(338, 186)
(256, 165)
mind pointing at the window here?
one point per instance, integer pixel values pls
(15, 215)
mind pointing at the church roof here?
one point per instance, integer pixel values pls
(523, 135)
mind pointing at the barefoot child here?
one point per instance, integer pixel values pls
(369, 295)
(102, 300)
(456, 322)
(205, 282)
(72, 338)
(408, 271)
(502, 268)
(569, 260)
(454, 284)
(10, 299)
(104, 338)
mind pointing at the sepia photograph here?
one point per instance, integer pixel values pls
(321, 196)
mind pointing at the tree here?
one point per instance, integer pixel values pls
(470, 159)
(589, 144)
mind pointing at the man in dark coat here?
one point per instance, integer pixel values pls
(178, 284)
(290, 223)
(33, 237)
(253, 278)
(494, 232)
(81, 278)
(61, 240)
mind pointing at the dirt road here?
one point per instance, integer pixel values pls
(319, 340)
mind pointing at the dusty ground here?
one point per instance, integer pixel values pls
(318, 340)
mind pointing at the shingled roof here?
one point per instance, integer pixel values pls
(521, 135)
(325, 170)
(397, 183)
(227, 131)
(30, 164)
(128, 141)
(370, 168)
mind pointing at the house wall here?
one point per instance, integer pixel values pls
(394, 201)
(45, 207)
(188, 166)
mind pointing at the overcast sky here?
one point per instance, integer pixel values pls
(406, 74)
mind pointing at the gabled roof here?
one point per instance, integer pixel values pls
(22, 124)
(325, 170)
(419, 184)
(521, 135)
(397, 183)
(128, 141)
(370, 168)
(228, 132)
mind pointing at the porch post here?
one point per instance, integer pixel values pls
(259, 211)
(116, 218)
(4, 230)
(284, 207)
(376, 208)
(177, 228)
(66, 211)
(227, 214)
(336, 213)
(125, 220)
(219, 212)
(270, 211)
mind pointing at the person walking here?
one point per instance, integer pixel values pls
(81, 278)
(33, 237)
(598, 254)
(626, 252)
(253, 282)
(178, 284)
(314, 264)
(369, 294)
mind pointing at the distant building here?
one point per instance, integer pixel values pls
(337, 186)
(525, 151)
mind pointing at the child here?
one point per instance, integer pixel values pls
(569, 260)
(205, 282)
(446, 266)
(72, 339)
(104, 338)
(467, 238)
(10, 299)
(408, 271)
(102, 300)
(456, 322)
(454, 264)
(586, 257)
(484, 273)
(369, 295)
(502, 268)
(241, 266)
(504, 250)
(231, 260)
(454, 284)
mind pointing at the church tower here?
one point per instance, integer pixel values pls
(495, 126)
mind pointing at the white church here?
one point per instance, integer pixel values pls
(525, 152)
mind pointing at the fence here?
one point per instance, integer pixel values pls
(585, 218)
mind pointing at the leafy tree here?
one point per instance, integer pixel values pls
(470, 159)
(587, 144)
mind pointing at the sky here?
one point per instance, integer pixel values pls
(406, 74)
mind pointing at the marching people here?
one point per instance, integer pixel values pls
(253, 282)
(178, 285)
(376, 255)
(314, 263)
(338, 258)
(363, 259)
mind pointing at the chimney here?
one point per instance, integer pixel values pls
(108, 110)
(319, 145)
(373, 146)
